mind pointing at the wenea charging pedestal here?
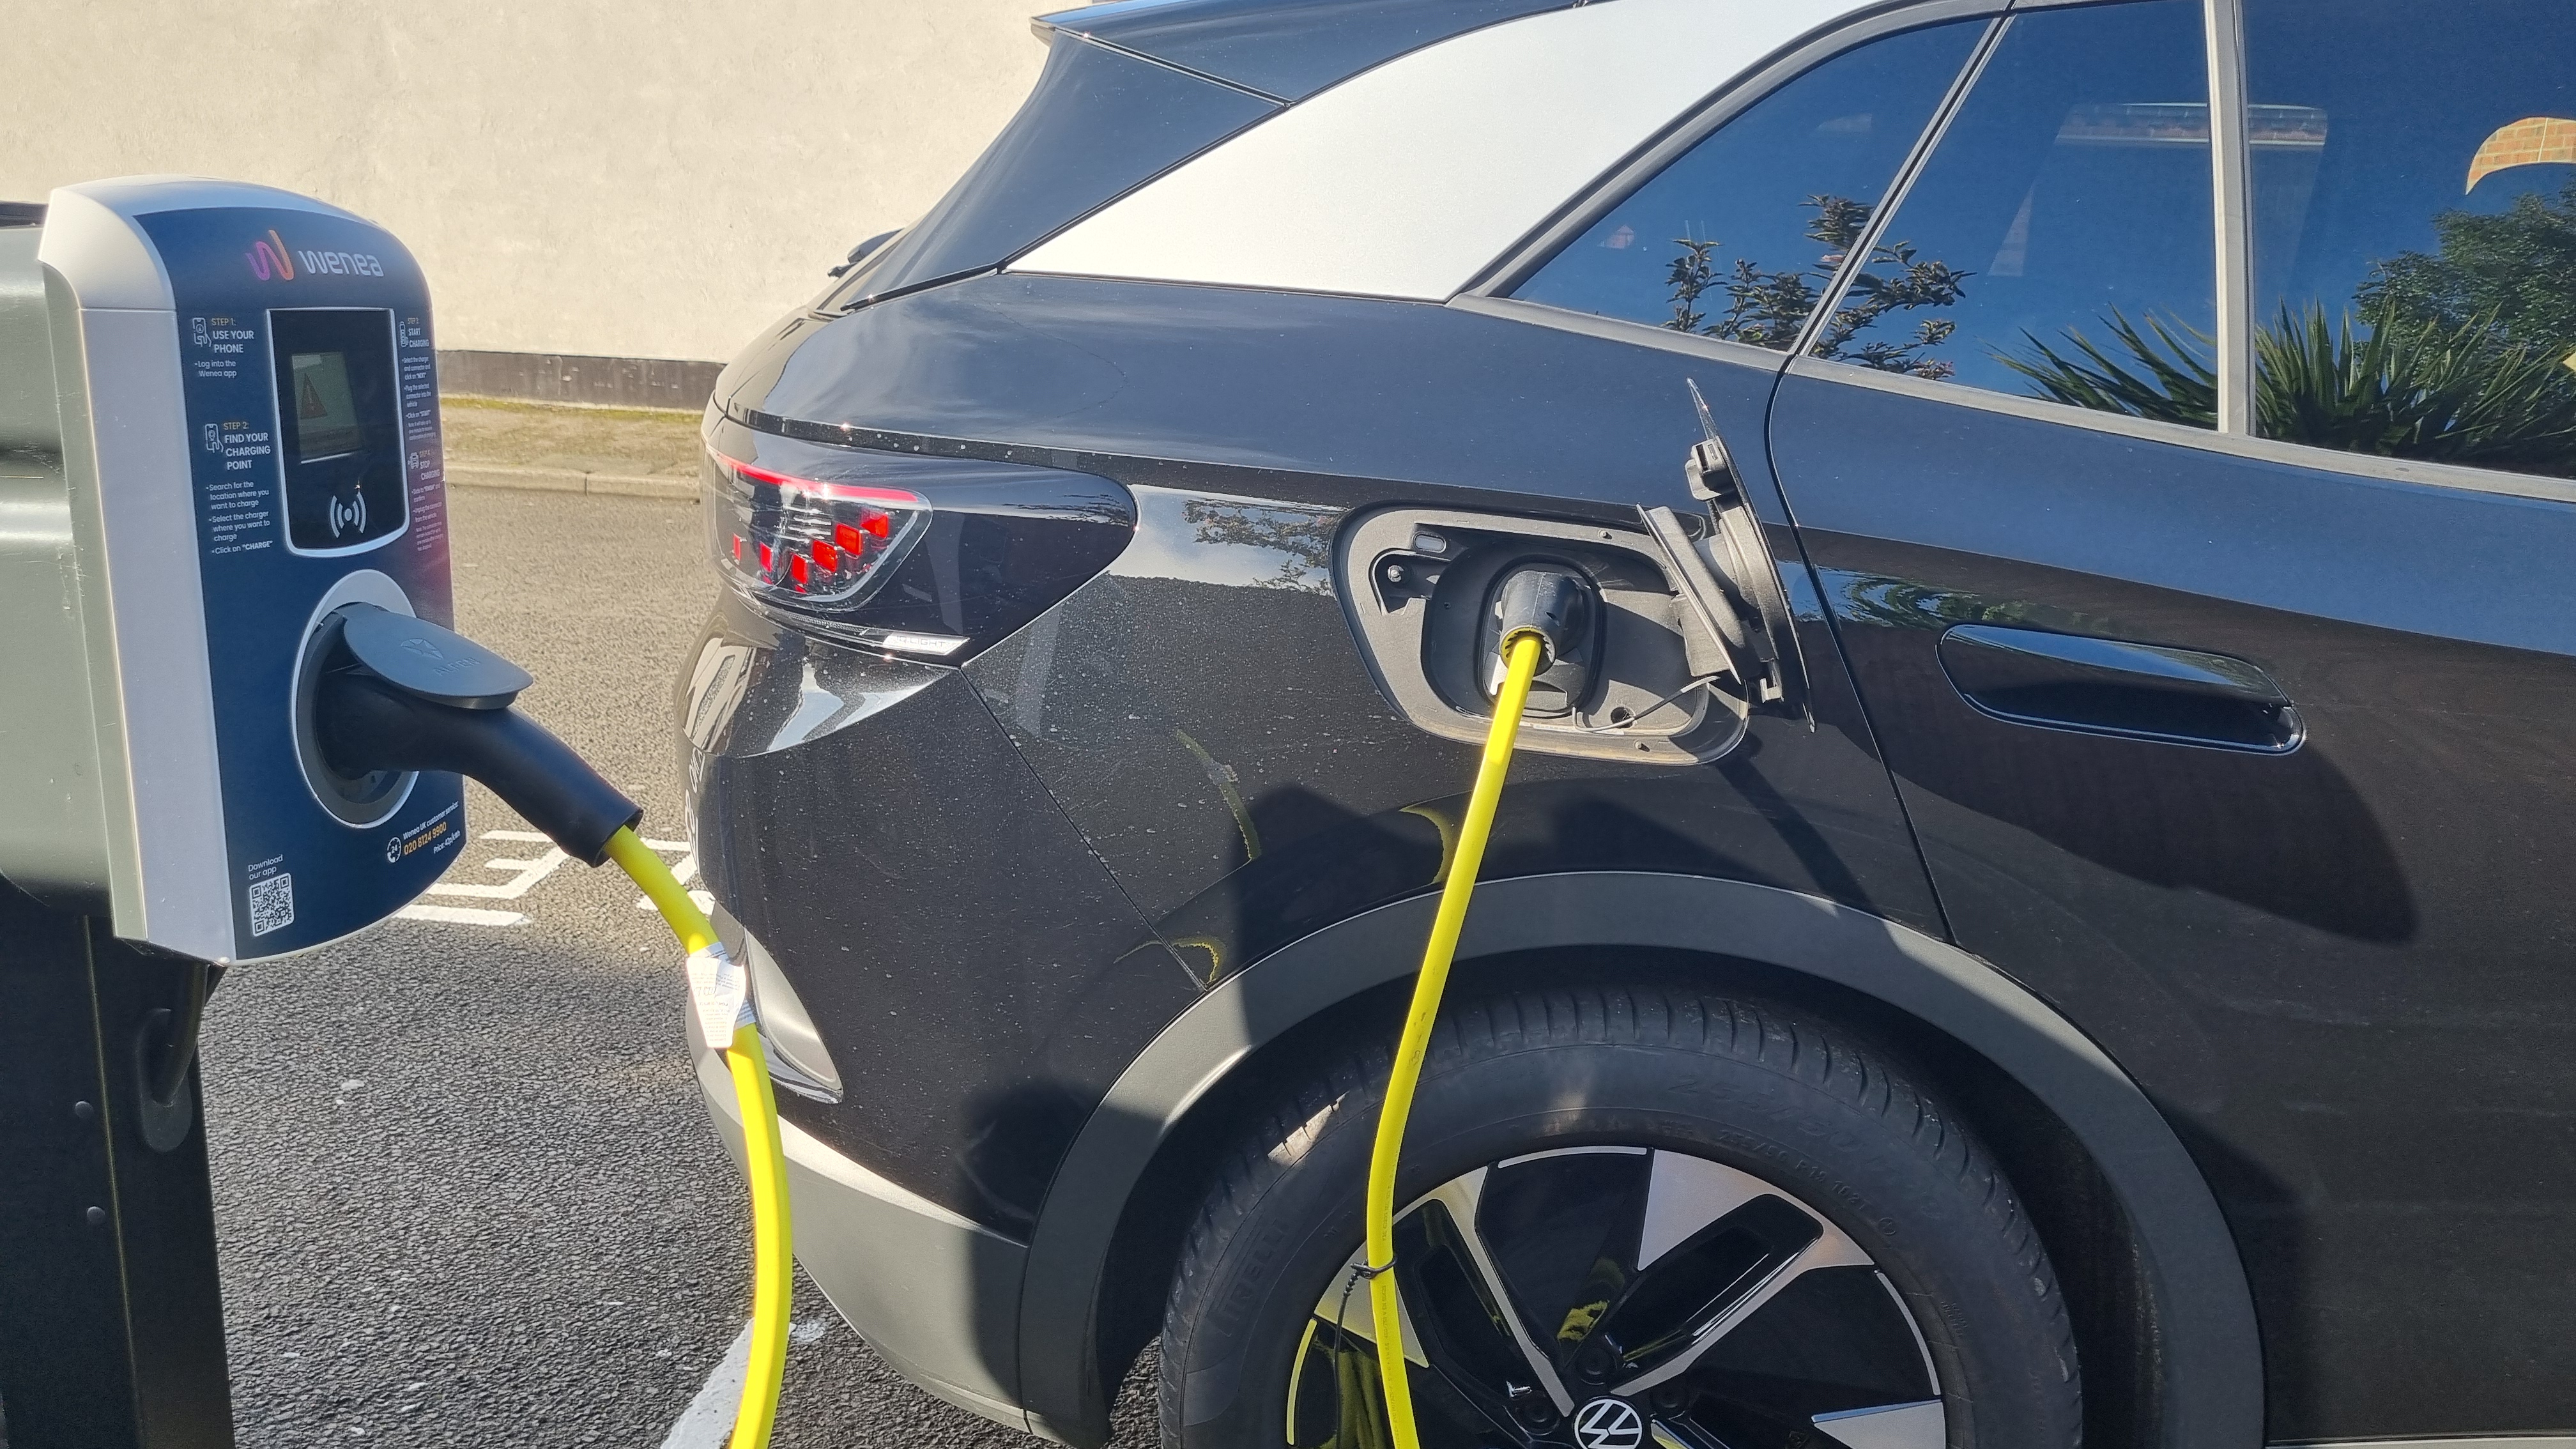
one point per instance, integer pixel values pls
(218, 427)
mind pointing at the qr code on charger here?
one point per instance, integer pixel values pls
(272, 904)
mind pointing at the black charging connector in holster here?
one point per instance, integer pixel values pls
(406, 694)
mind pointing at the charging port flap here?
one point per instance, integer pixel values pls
(1710, 603)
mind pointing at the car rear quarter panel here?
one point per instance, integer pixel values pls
(1040, 861)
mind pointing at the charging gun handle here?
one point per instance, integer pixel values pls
(365, 722)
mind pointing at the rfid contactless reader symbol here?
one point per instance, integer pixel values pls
(349, 516)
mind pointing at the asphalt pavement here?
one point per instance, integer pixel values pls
(465, 1189)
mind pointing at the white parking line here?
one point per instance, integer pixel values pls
(525, 873)
(461, 915)
(684, 872)
(708, 1419)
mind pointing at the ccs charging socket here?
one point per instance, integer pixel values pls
(1641, 682)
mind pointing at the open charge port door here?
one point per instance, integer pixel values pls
(1420, 586)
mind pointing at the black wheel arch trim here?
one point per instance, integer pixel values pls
(2211, 1381)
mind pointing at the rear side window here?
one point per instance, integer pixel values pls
(2414, 173)
(2060, 243)
(1738, 238)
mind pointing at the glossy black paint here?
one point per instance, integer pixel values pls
(1336, 401)
(1098, 123)
(859, 840)
(1200, 712)
(1225, 752)
(2341, 969)
(2236, 927)
(1286, 48)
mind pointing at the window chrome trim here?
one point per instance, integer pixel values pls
(1522, 261)
(1620, 329)
(1962, 86)
(2532, 486)
(2231, 171)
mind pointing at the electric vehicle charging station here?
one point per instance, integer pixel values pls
(236, 728)
(248, 434)
(219, 410)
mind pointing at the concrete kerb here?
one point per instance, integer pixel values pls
(566, 480)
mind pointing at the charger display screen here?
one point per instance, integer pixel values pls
(339, 415)
(326, 417)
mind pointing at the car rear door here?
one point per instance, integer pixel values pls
(2191, 503)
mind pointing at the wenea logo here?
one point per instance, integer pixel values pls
(270, 261)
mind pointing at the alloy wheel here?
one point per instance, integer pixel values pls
(1623, 1298)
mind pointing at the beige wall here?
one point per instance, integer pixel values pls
(628, 178)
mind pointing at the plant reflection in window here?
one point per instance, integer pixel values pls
(2516, 269)
(1767, 309)
(2467, 356)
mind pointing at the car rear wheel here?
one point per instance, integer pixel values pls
(1637, 1219)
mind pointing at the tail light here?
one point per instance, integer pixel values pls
(810, 541)
(927, 556)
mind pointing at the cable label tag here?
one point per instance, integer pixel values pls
(718, 996)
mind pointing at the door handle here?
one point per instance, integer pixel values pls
(2106, 686)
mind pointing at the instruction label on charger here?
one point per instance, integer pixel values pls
(719, 995)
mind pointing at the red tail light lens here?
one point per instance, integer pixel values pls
(805, 541)
(934, 557)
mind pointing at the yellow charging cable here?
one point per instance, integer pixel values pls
(764, 1161)
(1523, 650)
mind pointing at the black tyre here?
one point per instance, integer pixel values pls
(1639, 1219)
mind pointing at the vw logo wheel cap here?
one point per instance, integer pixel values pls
(1609, 1424)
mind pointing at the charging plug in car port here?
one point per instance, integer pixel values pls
(1559, 603)
(1634, 678)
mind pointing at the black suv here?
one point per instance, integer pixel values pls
(2041, 909)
